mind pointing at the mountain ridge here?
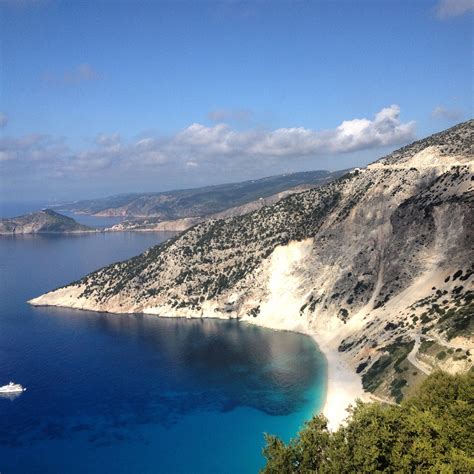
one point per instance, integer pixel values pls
(197, 202)
(156, 224)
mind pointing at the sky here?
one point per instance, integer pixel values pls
(107, 97)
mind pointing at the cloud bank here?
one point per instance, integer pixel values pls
(199, 144)
(351, 135)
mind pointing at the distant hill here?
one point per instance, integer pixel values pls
(198, 202)
(155, 224)
(42, 222)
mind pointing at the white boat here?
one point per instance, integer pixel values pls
(12, 388)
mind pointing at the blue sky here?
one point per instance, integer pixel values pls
(105, 97)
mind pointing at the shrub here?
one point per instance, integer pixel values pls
(430, 432)
(441, 355)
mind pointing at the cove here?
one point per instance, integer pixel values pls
(138, 393)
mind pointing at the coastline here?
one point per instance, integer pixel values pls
(343, 386)
(69, 232)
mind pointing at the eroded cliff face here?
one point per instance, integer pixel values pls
(368, 263)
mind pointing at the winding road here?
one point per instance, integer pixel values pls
(412, 357)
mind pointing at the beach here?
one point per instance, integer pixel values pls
(344, 386)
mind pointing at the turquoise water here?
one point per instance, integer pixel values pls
(134, 393)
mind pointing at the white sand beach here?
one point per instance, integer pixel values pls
(344, 386)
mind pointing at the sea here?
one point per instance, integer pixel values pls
(136, 393)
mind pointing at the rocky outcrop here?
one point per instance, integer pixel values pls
(45, 221)
(367, 263)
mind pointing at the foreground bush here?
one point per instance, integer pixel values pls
(430, 432)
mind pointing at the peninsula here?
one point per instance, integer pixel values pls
(46, 221)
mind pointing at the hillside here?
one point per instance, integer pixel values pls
(376, 265)
(199, 202)
(154, 224)
(45, 221)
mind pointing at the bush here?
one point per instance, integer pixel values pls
(441, 355)
(425, 345)
(397, 353)
(430, 432)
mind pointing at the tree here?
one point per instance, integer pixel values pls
(430, 432)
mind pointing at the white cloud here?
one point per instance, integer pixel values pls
(3, 119)
(33, 150)
(108, 141)
(445, 113)
(451, 8)
(386, 129)
(198, 144)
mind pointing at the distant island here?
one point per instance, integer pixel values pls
(46, 221)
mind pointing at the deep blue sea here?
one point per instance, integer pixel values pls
(134, 393)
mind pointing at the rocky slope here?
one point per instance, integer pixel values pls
(374, 264)
(45, 221)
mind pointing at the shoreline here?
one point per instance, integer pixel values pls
(343, 386)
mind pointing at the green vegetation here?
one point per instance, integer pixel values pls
(453, 314)
(459, 321)
(441, 355)
(425, 345)
(396, 353)
(431, 432)
(396, 389)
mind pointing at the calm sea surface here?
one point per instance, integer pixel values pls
(133, 393)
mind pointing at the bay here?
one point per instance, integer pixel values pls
(135, 393)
